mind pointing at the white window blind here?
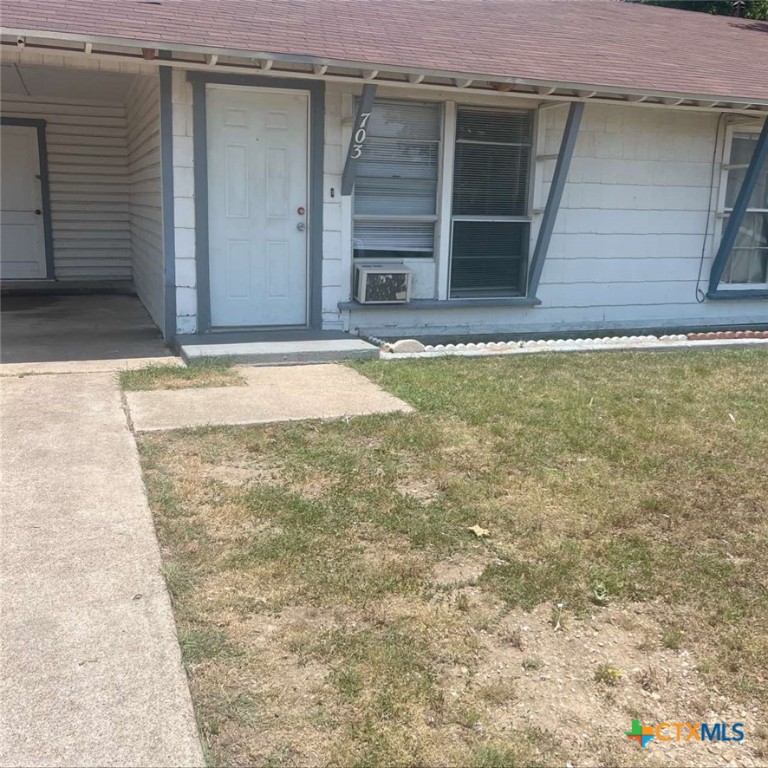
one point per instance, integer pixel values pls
(395, 202)
(748, 262)
(490, 224)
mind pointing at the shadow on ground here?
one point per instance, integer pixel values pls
(49, 329)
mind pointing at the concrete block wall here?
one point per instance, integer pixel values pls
(335, 269)
(184, 204)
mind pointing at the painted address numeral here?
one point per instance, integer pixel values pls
(360, 136)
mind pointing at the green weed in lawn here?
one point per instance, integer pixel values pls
(605, 674)
(673, 639)
(490, 756)
(201, 644)
(532, 663)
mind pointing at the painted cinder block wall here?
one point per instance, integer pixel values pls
(627, 243)
(336, 227)
(184, 203)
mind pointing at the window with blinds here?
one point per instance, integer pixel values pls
(748, 262)
(395, 202)
(490, 223)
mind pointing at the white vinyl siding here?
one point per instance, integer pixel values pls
(89, 185)
(395, 204)
(145, 198)
(748, 263)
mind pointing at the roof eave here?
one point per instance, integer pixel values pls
(540, 87)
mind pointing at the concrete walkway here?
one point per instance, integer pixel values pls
(286, 393)
(90, 669)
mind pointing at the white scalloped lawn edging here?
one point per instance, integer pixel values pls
(391, 351)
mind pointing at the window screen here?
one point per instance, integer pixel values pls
(748, 262)
(492, 258)
(395, 204)
(489, 248)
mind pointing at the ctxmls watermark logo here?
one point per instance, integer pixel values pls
(644, 734)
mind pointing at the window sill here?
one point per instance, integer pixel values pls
(734, 294)
(511, 301)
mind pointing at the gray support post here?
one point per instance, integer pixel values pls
(567, 146)
(200, 159)
(355, 150)
(759, 158)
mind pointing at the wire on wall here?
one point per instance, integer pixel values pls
(700, 295)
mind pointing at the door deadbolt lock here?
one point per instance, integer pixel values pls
(301, 226)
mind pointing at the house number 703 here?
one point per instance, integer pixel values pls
(359, 137)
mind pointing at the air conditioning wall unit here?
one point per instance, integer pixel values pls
(382, 284)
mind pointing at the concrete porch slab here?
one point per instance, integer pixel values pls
(286, 352)
(77, 334)
(283, 393)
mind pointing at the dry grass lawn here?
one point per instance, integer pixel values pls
(334, 607)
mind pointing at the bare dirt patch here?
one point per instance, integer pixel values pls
(280, 697)
(421, 489)
(460, 568)
(551, 676)
(242, 474)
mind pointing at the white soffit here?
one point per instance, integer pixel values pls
(60, 83)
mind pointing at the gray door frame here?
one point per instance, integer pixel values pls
(42, 150)
(316, 90)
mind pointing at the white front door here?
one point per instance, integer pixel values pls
(22, 237)
(258, 206)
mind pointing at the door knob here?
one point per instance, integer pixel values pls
(38, 211)
(301, 226)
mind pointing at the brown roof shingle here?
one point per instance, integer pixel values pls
(592, 42)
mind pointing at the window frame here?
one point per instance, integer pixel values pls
(524, 219)
(440, 262)
(434, 219)
(722, 211)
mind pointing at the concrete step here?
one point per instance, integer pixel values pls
(298, 352)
